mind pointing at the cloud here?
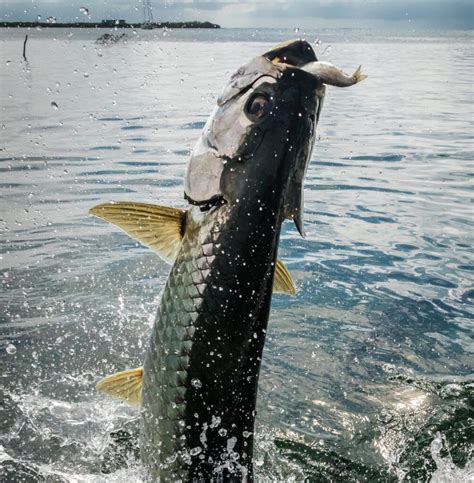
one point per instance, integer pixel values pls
(258, 13)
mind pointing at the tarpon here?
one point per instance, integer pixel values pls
(198, 385)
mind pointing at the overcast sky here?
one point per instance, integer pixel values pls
(258, 13)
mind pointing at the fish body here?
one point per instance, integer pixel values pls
(198, 385)
(199, 394)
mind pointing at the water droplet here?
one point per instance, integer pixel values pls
(11, 349)
(54, 105)
(8, 62)
(196, 383)
(327, 50)
(451, 390)
(195, 451)
(51, 19)
(84, 10)
(171, 459)
(38, 17)
(296, 30)
(86, 75)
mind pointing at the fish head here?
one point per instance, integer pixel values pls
(258, 141)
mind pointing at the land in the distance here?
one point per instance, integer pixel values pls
(113, 24)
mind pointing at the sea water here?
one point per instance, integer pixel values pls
(367, 373)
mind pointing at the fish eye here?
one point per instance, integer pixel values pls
(258, 106)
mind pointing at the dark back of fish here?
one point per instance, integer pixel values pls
(201, 370)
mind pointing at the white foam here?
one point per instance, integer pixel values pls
(446, 471)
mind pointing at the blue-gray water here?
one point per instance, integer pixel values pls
(367, 374)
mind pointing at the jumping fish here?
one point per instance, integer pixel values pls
(198, 385)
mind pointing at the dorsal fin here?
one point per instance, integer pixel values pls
(158, 227)
(162, 229)
(126, 385)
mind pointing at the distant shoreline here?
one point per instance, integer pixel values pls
(112, 24)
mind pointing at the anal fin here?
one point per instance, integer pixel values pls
(125, 385)
(283, 281)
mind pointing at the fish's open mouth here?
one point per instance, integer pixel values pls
(293, 52)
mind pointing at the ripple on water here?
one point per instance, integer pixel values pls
(388, 158)
(194, 125)
(132, 128)
(105, 148)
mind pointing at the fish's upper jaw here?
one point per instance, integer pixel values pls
(296, 53)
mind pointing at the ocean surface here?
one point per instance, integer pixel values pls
(367, 373)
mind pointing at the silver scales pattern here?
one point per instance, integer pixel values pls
(167, 359)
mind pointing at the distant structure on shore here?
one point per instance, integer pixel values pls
(147, 15)
(112, 24)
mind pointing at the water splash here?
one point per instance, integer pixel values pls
(446, 471)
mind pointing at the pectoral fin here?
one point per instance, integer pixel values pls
(158, 227)
(126, 385)
(283, 281)
(162, 229)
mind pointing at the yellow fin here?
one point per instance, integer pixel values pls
(126, 385)
(358, 76)
(158, 227)
(283, 281)
(161, 228)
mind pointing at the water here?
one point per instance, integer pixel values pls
(367, 374)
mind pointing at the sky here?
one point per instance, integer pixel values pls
(258, 13)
